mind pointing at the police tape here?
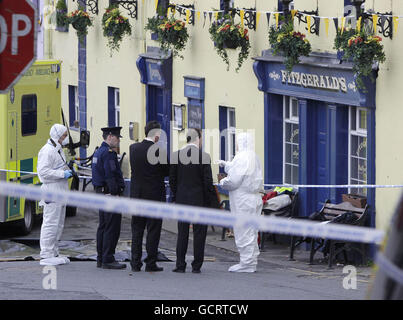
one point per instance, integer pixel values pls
(335, 186)
(192, 214)
(388, 267)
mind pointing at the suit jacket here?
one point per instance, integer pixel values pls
(190, 178)
(147, 178)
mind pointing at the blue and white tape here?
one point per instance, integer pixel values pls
(193, 214)
(391, 270)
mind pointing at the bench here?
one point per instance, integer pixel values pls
(329, 212)
(289, 211)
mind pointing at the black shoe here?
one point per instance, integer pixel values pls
(136, 269)
(154, 269)
(113, 265)
(99, 264)
(178, 270)
(196, 271)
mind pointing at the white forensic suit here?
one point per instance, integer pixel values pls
(53, 172)
(244, 181)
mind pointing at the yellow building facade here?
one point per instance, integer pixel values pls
(92, 80)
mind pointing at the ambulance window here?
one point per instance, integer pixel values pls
(28, 114)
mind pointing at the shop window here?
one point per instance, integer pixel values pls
(358, 149)
(290, 141)
(74, 107)
(29, 114)
(113, 107)
(227, 129)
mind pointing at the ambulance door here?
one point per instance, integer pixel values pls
(12, 161)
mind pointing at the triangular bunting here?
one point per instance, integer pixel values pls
(205, 16)
(242, 15)
(268, 18)
(277, 14)
(210, 15)
(293, 13)
(336, 23)
(343, 23)
(187, 16)
(198, 15)
(327, 26)
(359, 24)
(395, 23)
(257, 18)
(375, 21)
(308, 22)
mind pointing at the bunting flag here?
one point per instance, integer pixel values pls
(327, 26)
(257, 18)
(277, 14)
(336, 23)
(268, 18)
(359, 24)
(375, 21)
(336, 20)
(242, 15)
(187, 16)
(308, 21)
(395, 23)
(343, 23)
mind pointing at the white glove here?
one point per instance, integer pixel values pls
(221, 163)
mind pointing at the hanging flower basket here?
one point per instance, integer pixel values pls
(115, 27)
(80, 20)
(172, 33)
(363, 49)
(228, 35)
(62, 21)
(291, 45)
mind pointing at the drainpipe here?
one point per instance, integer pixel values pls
(49, 13)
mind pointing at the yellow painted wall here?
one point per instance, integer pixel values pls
(238, 90)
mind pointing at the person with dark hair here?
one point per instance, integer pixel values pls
(149, 166)
(191, 183)
(107, 178)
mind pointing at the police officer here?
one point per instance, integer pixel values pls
(107, 178)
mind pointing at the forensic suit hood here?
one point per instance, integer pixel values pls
(244, 181)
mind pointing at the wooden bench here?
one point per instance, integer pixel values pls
(329, 212)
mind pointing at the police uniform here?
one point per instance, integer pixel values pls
(107, 178)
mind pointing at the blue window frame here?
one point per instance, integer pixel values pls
(74, 107)
(113, 107)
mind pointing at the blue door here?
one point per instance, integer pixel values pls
(159, 111)
(323, 152)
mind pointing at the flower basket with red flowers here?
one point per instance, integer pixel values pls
(363, 49)
(288, 43)
(172, 33)
(115, 26)
(80, 20)
(228, 35)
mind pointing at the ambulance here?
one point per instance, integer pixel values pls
(27, 112)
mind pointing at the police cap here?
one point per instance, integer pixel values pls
(115, 131)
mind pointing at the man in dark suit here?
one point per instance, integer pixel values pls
(191, 183)
(149, 166)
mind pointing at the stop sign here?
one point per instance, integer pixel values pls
(17, 40)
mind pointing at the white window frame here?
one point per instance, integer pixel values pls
(76, 105)
(231, 129)
(117, 107)
(287, 103)
(357, 132)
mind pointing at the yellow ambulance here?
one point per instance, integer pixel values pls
(27, 112)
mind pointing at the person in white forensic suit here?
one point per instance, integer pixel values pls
(244, 180)
(54, 173)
